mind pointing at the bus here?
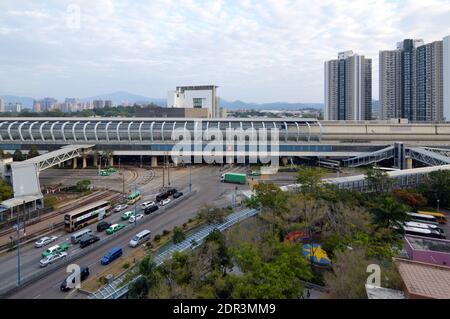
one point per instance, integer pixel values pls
(441, 218)
(88, 214)
(424, 225)
(134, 197)
(423, 232)
(421, 218)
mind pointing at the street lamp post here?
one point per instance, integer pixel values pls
(190, 177)
(135, 219)
(18, 249)
(438, 205)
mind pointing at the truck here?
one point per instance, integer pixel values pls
(235, 178)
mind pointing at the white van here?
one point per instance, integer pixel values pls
(140, 238)
(75, 238)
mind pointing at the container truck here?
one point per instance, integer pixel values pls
(235, 178)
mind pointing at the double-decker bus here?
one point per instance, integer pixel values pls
(134, 197)
(83, 216)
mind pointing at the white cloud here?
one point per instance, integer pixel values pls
(254, 50)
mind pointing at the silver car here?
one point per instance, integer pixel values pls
(50, 259)
(44, 241)
(120, 207)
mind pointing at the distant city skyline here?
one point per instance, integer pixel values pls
(261, 51)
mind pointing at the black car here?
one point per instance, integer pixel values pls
(161, 196)
(177, 194)
(88, 240)
(102, 226)
(150, 209)
(84, 273)
(171, 191)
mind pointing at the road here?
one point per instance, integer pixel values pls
(205, 179)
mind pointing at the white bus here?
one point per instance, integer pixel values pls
(422, 218)
(75, 238)
(422, 232)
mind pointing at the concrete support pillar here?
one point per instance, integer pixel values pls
(111, 161)
(175, 162)
(230, 159)
(154, 161)
(74, 163)
(84, 160)
(95, 160)
(409, 163)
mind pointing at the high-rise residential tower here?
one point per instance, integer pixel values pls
(446, 77)
(413, 81)
(2, 106)
(348, 87)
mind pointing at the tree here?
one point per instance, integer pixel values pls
(280, 277)
(83, 185)
(178, 235)
(139, 289)
(349, 276)
(18, 156)
(388, 211)
(410, 197)
(6, 190)
(379, 180)
(310, 178)
(436, 186)
(212, 215)
(33, 152)
(270, 197)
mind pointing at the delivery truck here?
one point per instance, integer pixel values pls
(235, 178)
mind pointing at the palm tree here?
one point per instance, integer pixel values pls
(389, 211)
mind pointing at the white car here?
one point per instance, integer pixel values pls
(144, 205)
(164, 202)
(120, 207)
(136, 218)
(50, 259)
(45, 241)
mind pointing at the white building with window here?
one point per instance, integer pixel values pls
(199, 96)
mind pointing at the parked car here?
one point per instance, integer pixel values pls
(50, 259)
(164, 202)
(161, 196)
(55, 249)
(114, 228)
(144, 205)
(112, 255)
(84, 273)
(171, 191)
(177, 194)
(103, 225)
(127, 215)
(88, 240)
(120, 207)
(136, 218)
(44, 241)
(151, 209)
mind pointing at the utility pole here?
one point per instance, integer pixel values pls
(190, 177)
(164, 167)
(25, 218)
(135, 212)
(168, 170)
(18, 249)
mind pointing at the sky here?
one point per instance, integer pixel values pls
(255, 51)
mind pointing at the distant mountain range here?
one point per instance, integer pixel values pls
(269, 106)
(121, 96)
